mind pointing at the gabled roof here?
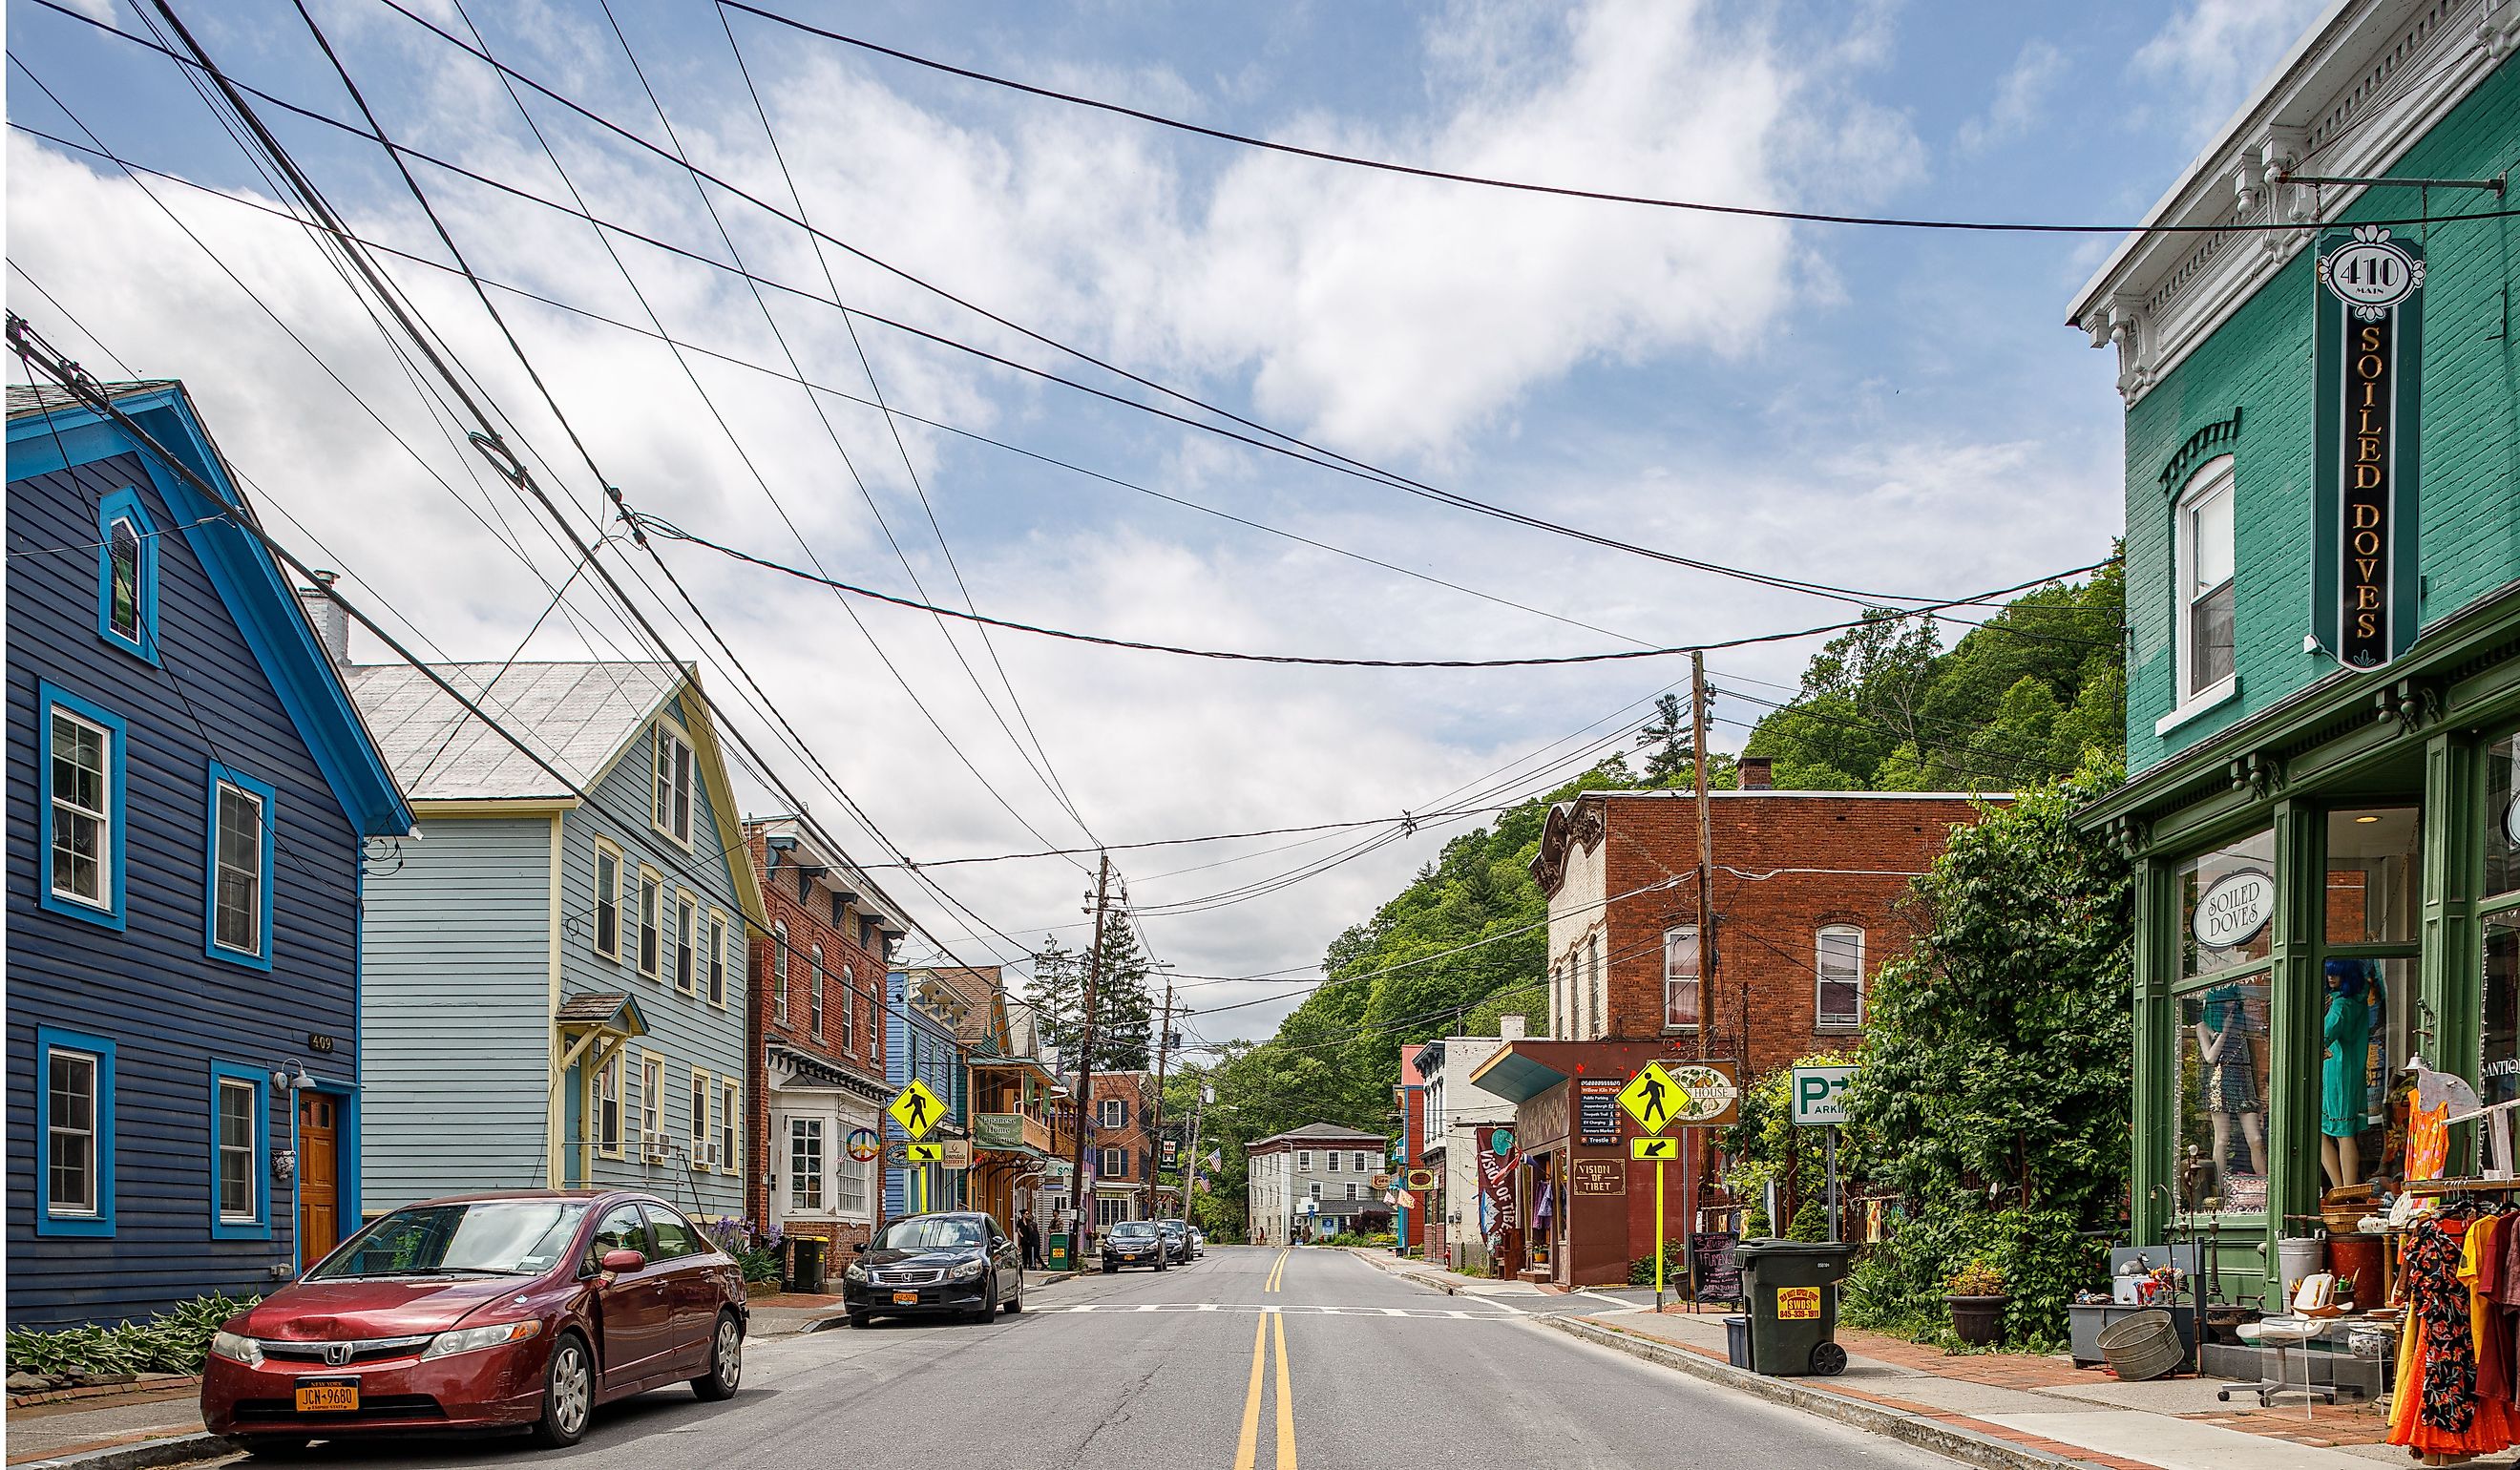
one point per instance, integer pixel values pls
(48, 430)
(578, 716)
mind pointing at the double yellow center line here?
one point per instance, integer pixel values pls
(1278, 1273)
(1247, 1450)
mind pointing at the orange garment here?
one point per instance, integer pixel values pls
(2427, 1142)
(2491, 1430)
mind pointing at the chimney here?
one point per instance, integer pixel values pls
(332, 624)
(1510, 1027)
(1757, 772)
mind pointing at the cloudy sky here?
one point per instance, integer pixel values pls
(1890, 411)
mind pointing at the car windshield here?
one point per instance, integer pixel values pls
(496, 1237)
(929, 1234)
(1173, 1227)
(1132, 1229)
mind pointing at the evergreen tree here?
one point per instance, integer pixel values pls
(1057, 996)
(1124, 1014)
(1671, 755)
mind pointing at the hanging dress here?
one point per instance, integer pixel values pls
(2428, 1139)
(2438, 1409)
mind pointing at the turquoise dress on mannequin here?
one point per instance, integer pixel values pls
(2342, 1096)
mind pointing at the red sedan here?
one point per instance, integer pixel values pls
(480, 1313)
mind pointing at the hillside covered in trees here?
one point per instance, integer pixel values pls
(2016, 701)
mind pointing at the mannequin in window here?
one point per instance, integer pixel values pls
(2231, 1080)
(2343, 1071)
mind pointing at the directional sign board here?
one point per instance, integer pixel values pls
(917, 1109)
(923, 1153)
(1653, 1148)
(1652, 1099)
(1820, 1095)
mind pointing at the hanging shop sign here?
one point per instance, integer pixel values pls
(2369, 333)
(1600, 1176)
(2233, 911)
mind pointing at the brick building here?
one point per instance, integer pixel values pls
(1120, 1148)
(1409, 1208)
(816, 1024)
(1807, 887)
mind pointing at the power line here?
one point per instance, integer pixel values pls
(1523, 185)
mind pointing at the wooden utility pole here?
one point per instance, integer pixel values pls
(1693, 1147)
(1082, 1235)
(1156, 1108)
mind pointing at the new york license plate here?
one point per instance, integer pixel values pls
(333, 1396)
(905, 1299)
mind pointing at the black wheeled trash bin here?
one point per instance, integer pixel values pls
(805, 1265)
(1793, 1287)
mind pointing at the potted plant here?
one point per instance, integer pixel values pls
(1977, 1296)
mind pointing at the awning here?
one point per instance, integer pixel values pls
(1515, 1073)
(608, 1012)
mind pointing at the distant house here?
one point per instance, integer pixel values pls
(189, 793)
(817, 1027)
(1312, 1182)
(555, 986)
(924, 1018)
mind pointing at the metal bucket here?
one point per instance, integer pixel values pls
(2296, 1259)
(2142, 1346)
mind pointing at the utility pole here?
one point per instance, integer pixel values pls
(1693, 1146)
(1081, 1236)
(1156, 1108)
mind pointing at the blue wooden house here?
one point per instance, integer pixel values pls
(557, 984)
(190, 790)
(924, 1021)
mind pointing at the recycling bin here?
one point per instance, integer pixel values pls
(805, 1266)
(1059, 1252)
(1793, 1287)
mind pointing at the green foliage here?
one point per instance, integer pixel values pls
(1675, 1267)
(176, 1342)
(1976, 1279)
(1384, 1240)
(1811, 1222)
(2022, 700)
(2040, 1257)
(1123, 1007)
(1767, 1145)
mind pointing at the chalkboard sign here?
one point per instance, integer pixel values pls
(1718, 1274)
(1597, 1111)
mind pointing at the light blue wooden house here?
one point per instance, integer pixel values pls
(555, 986)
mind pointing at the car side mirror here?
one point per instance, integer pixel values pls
(859, 1246)
(622, 1262)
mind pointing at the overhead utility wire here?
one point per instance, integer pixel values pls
(1525, 186)
(668, 530)
(1310, 453)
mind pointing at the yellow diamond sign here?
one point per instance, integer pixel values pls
(918, 1110)
(1653, 1098)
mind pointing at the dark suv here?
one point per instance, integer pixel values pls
(1135, 1242)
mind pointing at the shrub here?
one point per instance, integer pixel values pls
(1675, 1265)
(759, 1251)
(174, 1341)
(2036, 1255)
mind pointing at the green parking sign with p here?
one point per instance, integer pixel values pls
(1820, 1095)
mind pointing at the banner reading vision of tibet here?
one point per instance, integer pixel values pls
(2370, 380)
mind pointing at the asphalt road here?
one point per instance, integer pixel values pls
(1250, 1357)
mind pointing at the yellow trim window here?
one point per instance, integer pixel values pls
(730, 1124)
(701, 1090)
(717, 956)
(606, 1108)
(652, 1102)
(686, 922)
(652, 923)
(673, 812)
(609, 906)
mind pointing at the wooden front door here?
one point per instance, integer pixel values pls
(319, 1175)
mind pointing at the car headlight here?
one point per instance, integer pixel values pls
(236, 1348)
(474, 1339)
(856, 1273)
(968, 1271)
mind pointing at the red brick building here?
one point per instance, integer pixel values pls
(816, 1027)
(1807, 896)
(1410, 1209)
(1120, 1150)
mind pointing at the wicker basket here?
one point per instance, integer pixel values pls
(2142, 1346)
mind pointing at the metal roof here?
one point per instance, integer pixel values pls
(577, 716)
(25, 399)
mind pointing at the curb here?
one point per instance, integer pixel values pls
(1377, 1258)
(146, 1455)
(1966, 1444)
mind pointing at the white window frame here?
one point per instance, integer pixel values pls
(92, 1135)
(250, 1212)
(1303, 1161)
(1362, 1166)
(1316, 1190)
(107, 833)
(852, 1187)
(255, 877)
(1599, 993)
(674, 766)
(778, 971)
(607, 904)
(1351, 1189)
(848, 1007)
(686, 923)
(717, 933)
(605, 1093)
(814, 997)
(652, 923)
(1823, 979)
(651, 1099)
(1672, 980)
(729, 1125)
(2217, 477)
(138, 636)
(1112, 1165)
(801, 1132)
(701, 1093)
(1111, 1112)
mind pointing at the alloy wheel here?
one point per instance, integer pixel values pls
(730, 1355)
(572, 1389)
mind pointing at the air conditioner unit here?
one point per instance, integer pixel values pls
(712, 1157)
(698, 1153)
(655, 1147)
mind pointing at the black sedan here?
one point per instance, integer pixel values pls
(946, 1264)
(1135, 1242)
(1177, 1246)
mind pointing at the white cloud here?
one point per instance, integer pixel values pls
(2017, 99)
(2211, 53)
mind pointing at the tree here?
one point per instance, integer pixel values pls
(1670, 744)
(1058, 997)
(1124, 1014)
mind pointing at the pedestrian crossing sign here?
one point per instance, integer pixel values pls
(1653, 1098)
(917, 1109)
(1653, 1148)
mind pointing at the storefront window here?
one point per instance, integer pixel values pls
(2227, 907)
(2500, 1076)
(2222, 1038)
(2363, 1023)
(2502, 818)
(2373, 856)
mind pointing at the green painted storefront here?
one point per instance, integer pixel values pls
(2376, 808)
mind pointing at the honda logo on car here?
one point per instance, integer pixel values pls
(2235, 908)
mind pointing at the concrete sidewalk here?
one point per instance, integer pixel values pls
(2014, 1411)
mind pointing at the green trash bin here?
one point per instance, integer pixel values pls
(1793, 1287)
(1059, 1248)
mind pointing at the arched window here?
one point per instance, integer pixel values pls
(779, 972)
(814, 997)
(848, 1007)
(1839, 966)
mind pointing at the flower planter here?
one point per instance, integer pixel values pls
(1978, 1321)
